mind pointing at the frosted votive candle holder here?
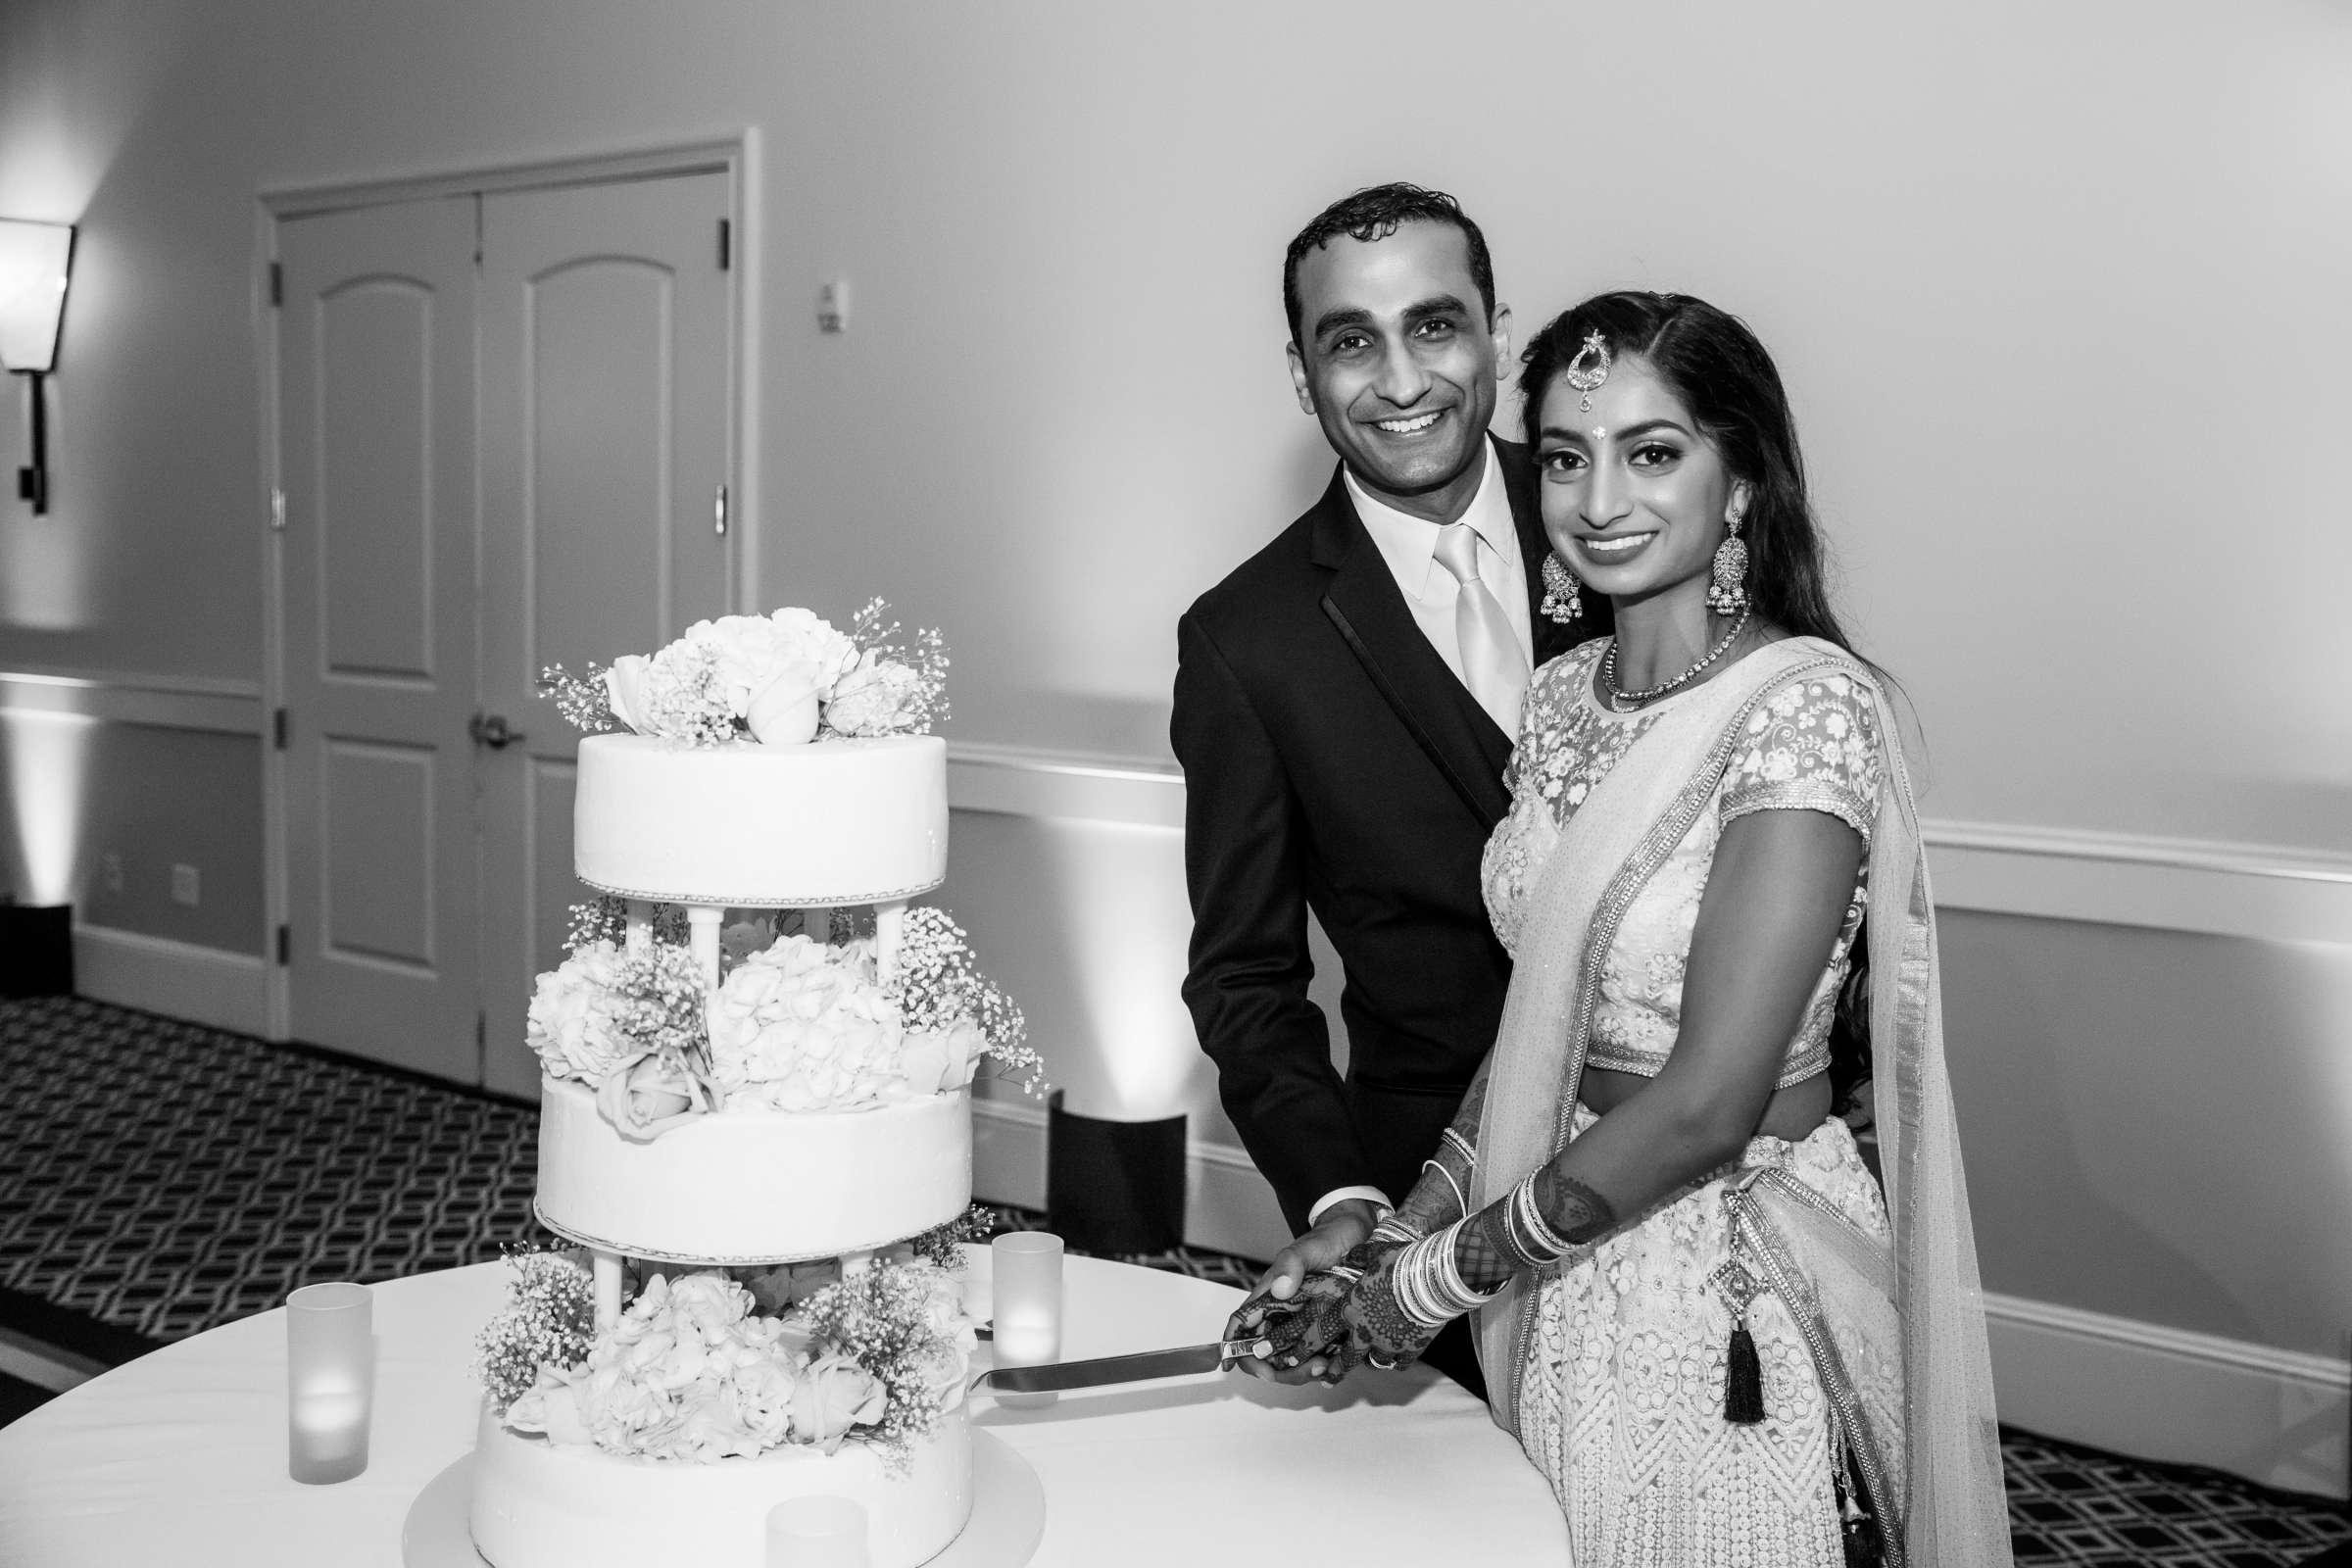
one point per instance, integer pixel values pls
(1025, 1302)
(330, 1378)
(816, 1531)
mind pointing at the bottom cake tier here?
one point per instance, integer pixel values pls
(540, 1506)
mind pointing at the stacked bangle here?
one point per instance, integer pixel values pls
(1455, 1160)
(1428, 1281)
(1526, 1234)
(1395, 1230)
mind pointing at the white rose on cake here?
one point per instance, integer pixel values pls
(937, 1060)
(774, 673)
(835, 1394)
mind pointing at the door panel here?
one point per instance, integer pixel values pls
(376, 500)
(376, 416)
(377, 877)
(597, 516)
(605, 326)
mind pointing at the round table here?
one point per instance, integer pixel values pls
(180, 1457)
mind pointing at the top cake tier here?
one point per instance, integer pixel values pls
(834, 822)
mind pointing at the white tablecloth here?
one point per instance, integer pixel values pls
(180, 1457)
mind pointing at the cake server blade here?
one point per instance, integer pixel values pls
(1108, 1369)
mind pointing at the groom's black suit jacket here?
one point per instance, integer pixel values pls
(1332, 761)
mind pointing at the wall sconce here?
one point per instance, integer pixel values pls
(34, 259)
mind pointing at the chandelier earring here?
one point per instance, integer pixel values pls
(1561, 601)
(1728, 594)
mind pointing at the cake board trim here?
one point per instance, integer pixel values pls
(1008, 1515)
(738, 901)
(599, 1243)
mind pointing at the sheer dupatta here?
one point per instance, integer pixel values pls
(1948, 1499)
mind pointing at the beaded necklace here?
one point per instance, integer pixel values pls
(1619, 700)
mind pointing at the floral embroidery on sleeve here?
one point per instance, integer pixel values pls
(1812, 746)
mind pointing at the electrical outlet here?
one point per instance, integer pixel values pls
(109, 871)
(184, 885)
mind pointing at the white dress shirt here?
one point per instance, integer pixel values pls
(1410, 546)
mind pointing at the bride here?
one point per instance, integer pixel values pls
(1696, 1309)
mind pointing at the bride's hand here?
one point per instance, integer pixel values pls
(1379, 1334)
(1299, 1339)
(1343, 1227)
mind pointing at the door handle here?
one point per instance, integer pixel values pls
(492, 730)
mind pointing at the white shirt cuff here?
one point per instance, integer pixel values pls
(1340, 1195)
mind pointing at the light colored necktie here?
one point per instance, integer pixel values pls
(1493, 666)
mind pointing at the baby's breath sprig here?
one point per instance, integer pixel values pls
(583, 700)
(549, 1320)
(879, 1317)
(937, 1245)
(660, 1006)
(873, 631)
(936, 985)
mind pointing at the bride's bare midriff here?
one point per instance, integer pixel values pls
(1791, 1113)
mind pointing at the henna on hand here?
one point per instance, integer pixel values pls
(1487, 1251)
(1578, 1212)
(1379, 1332)
(1308, 1324)
(1442, 1195)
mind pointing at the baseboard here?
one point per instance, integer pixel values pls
(176, 979)
(2118, 1383)
(2155, 1392)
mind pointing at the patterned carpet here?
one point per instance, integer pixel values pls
(165, 1177)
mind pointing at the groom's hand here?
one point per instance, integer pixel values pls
(1345, 1225)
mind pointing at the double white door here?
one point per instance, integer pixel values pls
(503, 440)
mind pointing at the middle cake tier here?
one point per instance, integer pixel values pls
(753, 1186)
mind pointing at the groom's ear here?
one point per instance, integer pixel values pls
(1298, 377)
(1498, 327)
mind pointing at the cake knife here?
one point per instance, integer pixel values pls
(1058, 1375)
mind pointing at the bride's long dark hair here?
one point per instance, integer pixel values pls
(1715, 365)
(1719, 370)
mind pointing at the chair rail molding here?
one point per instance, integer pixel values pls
(215, 704)
(2270, 892)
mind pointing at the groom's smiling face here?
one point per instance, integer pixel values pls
(1398, 361)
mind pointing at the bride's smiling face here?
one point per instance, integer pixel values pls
(1635, 498)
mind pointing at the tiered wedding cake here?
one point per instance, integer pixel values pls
(758, 1133)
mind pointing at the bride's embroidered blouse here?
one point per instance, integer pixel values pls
(1812, 744)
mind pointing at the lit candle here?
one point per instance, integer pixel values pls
(1025, 1302)
(331, 1373)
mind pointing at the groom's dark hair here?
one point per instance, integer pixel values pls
(1374, 213)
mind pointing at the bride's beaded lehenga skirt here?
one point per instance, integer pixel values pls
(1621, 1400)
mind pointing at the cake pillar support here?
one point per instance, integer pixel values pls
(640, 917)
(702, 929)
(607, 1267)
(890, 921)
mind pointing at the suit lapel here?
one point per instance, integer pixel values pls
(1365, 605)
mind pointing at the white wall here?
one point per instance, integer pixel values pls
(2059, 291)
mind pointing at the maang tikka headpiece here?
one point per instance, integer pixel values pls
(1589, 381)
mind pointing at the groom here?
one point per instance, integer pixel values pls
(1346, 702)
